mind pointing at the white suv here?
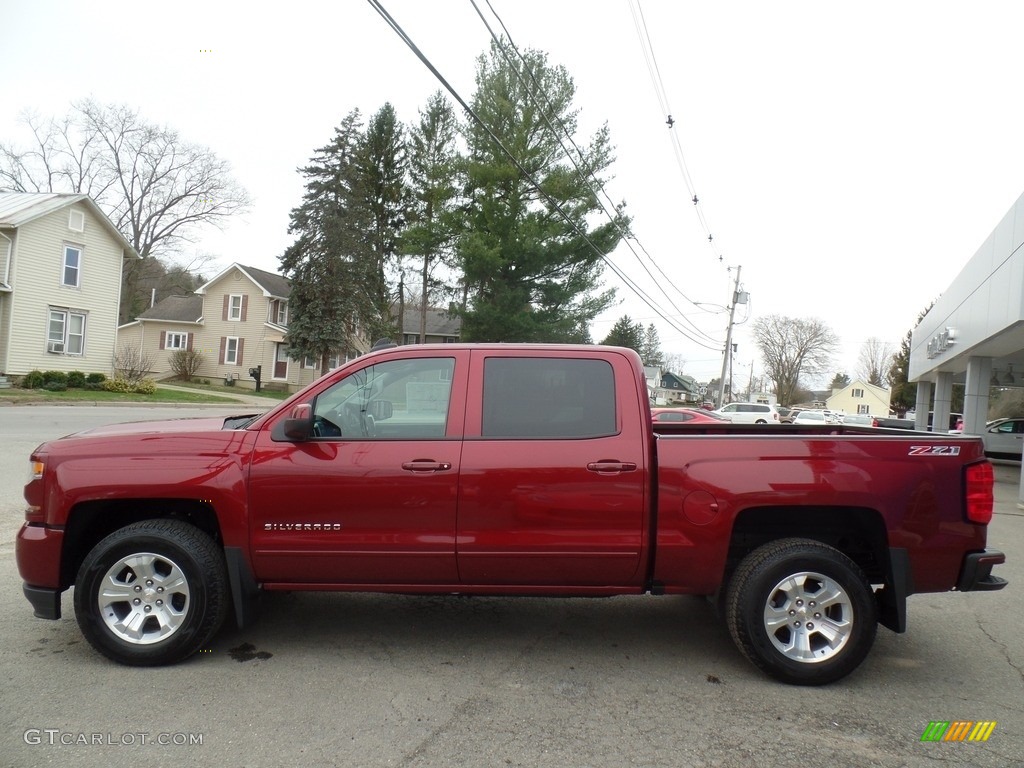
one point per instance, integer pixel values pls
(750, 413)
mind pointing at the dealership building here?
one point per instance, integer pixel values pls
(974, 334)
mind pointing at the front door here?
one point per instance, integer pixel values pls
(371, 497)
(281, 362)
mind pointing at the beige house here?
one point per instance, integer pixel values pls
(860, 397)
(61, 261)
(238, 321)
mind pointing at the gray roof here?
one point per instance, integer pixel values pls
(439, 322)
(19, 208)
(272, 283)
(176, 309)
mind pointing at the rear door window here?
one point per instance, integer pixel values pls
(527, 397)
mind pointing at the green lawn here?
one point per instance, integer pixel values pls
(220, 389)
(15, 395)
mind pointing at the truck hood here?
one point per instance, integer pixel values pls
(199, 424)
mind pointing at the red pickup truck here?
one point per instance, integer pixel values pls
(503, 470)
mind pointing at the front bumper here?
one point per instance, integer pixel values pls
(45, 601)
(976, 572)
(37, 551)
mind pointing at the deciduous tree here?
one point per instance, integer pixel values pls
(875, 361)
(159, 190)
(791, 348)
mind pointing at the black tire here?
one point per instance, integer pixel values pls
(760, 421)
(776, 621)
(174, 586)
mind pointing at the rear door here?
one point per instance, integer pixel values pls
(553, 483)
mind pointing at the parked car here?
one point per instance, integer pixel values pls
(788, 418)
(1003, 439)
(691, 415)
(749, 413)
(814, 416)
(860, 419)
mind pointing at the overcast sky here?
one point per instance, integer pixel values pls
(851, 157)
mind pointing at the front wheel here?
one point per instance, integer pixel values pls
(802, 611)
(152, 593)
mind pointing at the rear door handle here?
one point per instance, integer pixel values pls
(611, 467)
(426, 465)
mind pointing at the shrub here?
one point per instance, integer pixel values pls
(55, 376)
(142, 387)
(55, 386)
(95, 378)
(32, 380)
(93, 386)
(131, 364)
(185, 363)
(76, 380)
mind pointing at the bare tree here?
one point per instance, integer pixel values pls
(791, 348)
(158, 189)
(874, 361)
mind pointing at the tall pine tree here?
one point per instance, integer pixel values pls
(381, 186)
(529, 274)
(330, 265)
(430, 234)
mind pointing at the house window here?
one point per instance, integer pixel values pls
(857, 393)
(282, 313)
(863, 409)
(71, 274)
(76, 221)
(66, 332)
(177, 341)
(449, 339)
(235, 306)
(231, 351)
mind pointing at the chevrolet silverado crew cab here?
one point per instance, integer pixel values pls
(503, 470)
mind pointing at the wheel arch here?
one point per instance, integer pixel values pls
(90, 522)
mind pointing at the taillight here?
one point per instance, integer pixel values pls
(978, 480)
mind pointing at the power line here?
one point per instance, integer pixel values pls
(377, 6)
(640, 22)
(587, 174)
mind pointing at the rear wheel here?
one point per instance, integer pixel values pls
(802, 611)
(152, 593)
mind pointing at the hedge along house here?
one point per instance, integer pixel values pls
(61, 262)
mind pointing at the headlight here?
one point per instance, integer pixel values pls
(35, 470)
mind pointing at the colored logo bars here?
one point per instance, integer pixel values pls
(958, 730)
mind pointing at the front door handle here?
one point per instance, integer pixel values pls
(611, 467)
(426, 465)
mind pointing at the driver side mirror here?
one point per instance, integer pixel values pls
(298, 426)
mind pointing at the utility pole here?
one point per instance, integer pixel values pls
(727, 357)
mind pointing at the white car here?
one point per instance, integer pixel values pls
(1003, 438)
(815, 416)
(749, 413)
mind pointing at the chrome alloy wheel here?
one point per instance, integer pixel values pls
(144, 598)
(808, 617)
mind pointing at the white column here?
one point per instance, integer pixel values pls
(924, 402)
(943, 401)
(979, 374)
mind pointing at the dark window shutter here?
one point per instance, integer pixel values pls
(223, 347)
(188, 341)
(245, 305)
(227, 299)
(163, 339)
(241, 346)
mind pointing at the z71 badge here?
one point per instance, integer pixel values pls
(934, 450)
